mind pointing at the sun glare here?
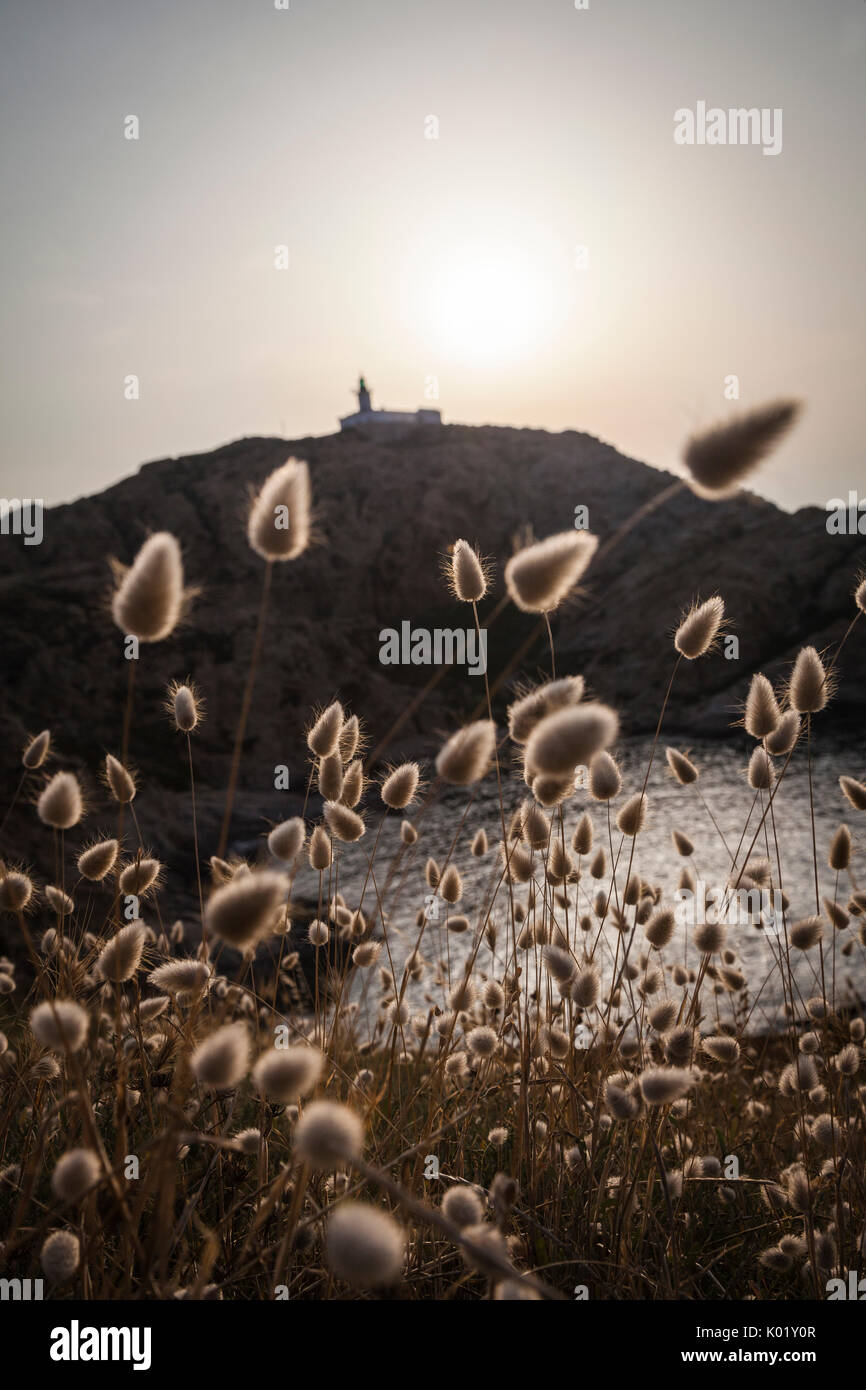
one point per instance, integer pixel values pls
(488, 307)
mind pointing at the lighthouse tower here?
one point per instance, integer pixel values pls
(385, 420)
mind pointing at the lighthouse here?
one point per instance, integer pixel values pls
(390, 420)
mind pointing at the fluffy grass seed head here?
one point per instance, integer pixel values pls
(187, 979)
(847, 1060)
(605, 779)
(468, 573)
(353, 783)
(840, 849)
(699, 628)
(318, 933)
(96, 862)
(682, 768)
(364, 1245)
(242, 911)
(350, 738)
(451, 885)
(552, 791)
(760, 773)
(279, 523)
(719, 459)
(805, 934)
(60, 803)
(121, 957)
(836, 913)
(762, 713)
(408, 833)
(286, 840)
(75, 1172)
(58, 901)
(682, 844)
(343, 823)
(330, 777)
(679, 1045)
(467, 755)
(660, 928)
(515, 1291)
(664, 1085)
(16, 890)
(60, 1024)
(462, 1205)
(569, 738)
(534, 825)
(722, 1049)
(60, 1257)
(36, 750)
(489, 1250)
(540, 576)
(632, 815)
(185, 706)
(149, 599)
(560, 963)
(854, 792)
(249, 1140)
(581, 840)
(283, 1075)
(366, 954)
(586, 987)
(400, 786)
(807, 688)
(150, 1009)
(780, 742)
(526, 711)
(139, 876)
(775, 1259)
(121, 782)
(622, 1104)
(320, 849)
(663, 1017)
(222, 1061)
(482, 1042)
(323, 738)
(710, 937)
(328, 1133)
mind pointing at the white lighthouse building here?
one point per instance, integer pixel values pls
(365, 416)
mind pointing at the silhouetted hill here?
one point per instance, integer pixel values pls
(386, 512)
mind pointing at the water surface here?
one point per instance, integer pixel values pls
(717, 813)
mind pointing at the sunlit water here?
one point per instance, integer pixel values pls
(721, 793)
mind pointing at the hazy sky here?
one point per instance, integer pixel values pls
(413, 258)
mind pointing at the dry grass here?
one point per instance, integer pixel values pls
(551, 1090)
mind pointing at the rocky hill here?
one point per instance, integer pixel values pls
(386, 512)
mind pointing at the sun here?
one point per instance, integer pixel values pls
(488, 306)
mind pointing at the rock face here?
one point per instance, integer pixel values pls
(386, 513)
